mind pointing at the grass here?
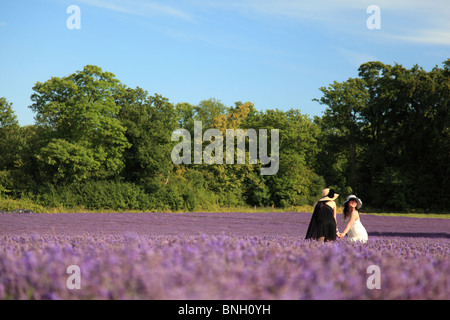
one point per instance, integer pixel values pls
(13, 204)
(414, 215)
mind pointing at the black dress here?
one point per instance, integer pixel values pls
(322, 223)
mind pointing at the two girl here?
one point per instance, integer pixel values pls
(323, 225)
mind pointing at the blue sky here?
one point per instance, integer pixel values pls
(276, 54)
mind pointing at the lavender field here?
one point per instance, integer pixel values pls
(219, 256)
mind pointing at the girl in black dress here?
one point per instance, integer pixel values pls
(323, 225)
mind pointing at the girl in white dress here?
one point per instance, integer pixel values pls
(354, 229)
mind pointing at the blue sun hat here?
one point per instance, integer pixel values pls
(358, 201)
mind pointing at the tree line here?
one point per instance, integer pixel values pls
(97, 144)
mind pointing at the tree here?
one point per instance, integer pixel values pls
(9, 127)
(80, 112)
(7, 116)
(185, 113)
(150, 121)
(208, 110)
(24, 176)
(408, 125)
(342, 127)
(295, 183)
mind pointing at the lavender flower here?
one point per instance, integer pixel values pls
(226, 260)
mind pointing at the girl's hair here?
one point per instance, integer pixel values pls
(346, 211)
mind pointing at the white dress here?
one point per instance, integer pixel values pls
(357, 232)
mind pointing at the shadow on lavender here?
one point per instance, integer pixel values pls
(433, 235)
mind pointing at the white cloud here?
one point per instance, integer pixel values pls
(304, 8)
(309, 10)
(408, 21)
(413, 21)
(436, 37)
(140, 8)
(420, 22)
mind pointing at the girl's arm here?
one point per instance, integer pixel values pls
(350, 222)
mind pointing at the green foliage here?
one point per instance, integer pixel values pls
(23, 203)
(182, 193)
(3, 191)
(149, 123)
(209, 110)
(6, 183)
(391, 127)
(8, 134)
(95, 195)
(295, 184)
(7, 116)
(98, 144)
(69, 162)
(80, 113)
(341, 126)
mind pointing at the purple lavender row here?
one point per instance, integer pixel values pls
(133, 266)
